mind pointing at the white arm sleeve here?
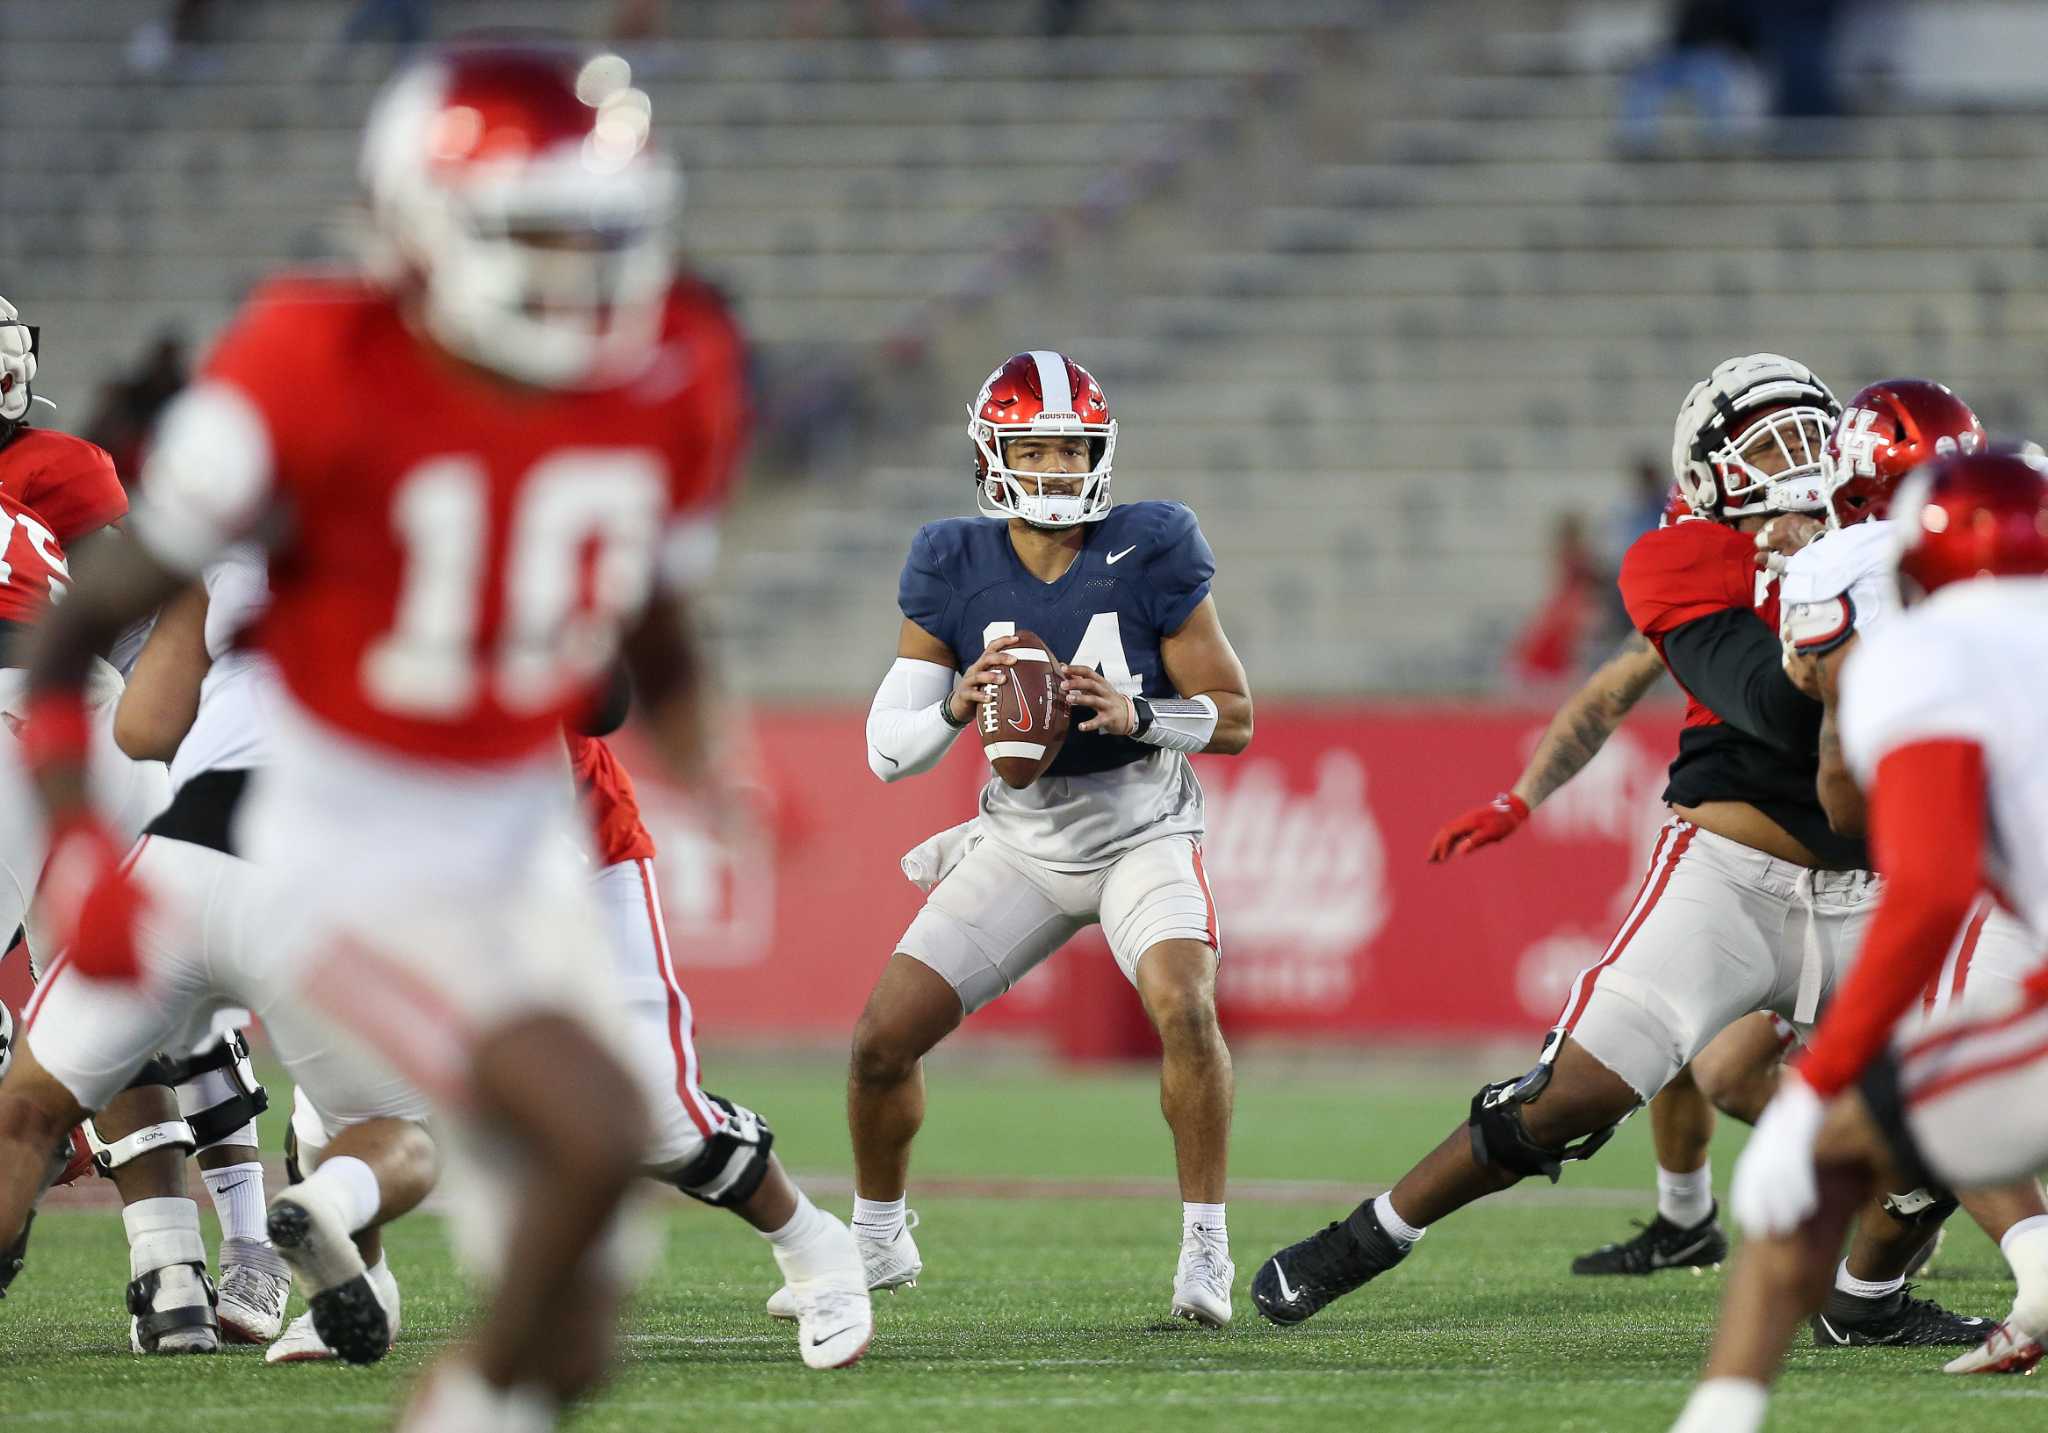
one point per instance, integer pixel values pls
(907, 730)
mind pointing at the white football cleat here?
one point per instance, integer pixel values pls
(1201, 1284)
(302, 1343)
(834, 1320)
(451, 1398)
(888, 1264)
(311, 1235)
(254, 1286)
(2007, 1350)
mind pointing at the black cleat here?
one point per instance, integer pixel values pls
(1898, 1320)
(15, 1254)
(1299, 1280)
(1660, 1245)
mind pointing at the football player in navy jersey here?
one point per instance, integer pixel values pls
(1111, 833)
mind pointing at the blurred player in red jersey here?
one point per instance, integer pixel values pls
(1942, 725)
(449, 584)
(1752, 901)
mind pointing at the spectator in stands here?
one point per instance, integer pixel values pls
(176, 41)
(1711, 44)
(637, 22)
(407, 22)
(1552, 648)
(1798, 47)
(1637, 510)
(1063, 17)
(128, 406)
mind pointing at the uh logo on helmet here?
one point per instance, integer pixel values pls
(1887, 430)
(1041, 394)
(1751, 439)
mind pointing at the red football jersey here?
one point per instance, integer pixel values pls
(460, 554)
(31, 563)
(1672, 575)
(608, 797)
(70, 483)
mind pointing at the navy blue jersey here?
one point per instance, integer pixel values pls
(1140, 573)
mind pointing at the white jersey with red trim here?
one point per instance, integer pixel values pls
(1969, 664)
(237, 699)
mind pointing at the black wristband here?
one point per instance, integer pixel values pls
(946, 713)
(1141, 709)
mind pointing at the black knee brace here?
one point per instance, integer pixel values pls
(1499, 1137)
(246, 1096)
(733, 1162)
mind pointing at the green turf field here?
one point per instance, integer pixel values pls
(1043, 1302)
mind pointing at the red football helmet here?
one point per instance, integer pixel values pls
(1886, 431)
(1973, 515)
(517, 188)
(1040, 394)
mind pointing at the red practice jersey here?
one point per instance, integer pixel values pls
(70, 483)
(607, 793)
(1673, 575)
(460, 555)
(31, 562)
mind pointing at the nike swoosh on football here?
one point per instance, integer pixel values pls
(1119, 556)
(1285, 1292)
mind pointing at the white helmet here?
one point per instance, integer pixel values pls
(1040, 394)
(1714, 444)
(516, 186)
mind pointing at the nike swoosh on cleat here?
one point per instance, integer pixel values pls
(1281, 1274)
(1116, 557)
(1829, 1329)
(1665, 1261)
(821, 1341)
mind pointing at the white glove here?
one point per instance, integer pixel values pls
(1775, 1185)
(17, 365)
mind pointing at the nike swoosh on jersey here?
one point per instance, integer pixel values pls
(1115, 557)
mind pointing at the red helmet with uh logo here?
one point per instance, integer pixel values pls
(1040, 394)
(1973, 515)
(1886, 431)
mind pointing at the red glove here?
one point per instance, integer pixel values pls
(1497, 820)
(95, 905)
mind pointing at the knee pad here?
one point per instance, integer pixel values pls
(733, 1162)
(1500, 1138)
(1924, 1208)
(218, 1092)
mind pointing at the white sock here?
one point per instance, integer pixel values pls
(352, 1185)
(878, 1219)
(1847, 1283)
(238, 1199)
(1686, 1199)
(162, 1232)
(2035, 1225)
(1398, 1229)
(801, 1227)
(1204, 1216)
(1724, 1405)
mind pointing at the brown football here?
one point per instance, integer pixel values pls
(1023, 729)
